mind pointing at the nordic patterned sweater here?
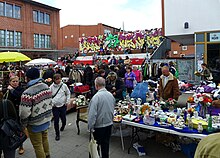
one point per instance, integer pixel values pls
(36, 104)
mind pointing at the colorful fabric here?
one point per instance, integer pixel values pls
(36, 104)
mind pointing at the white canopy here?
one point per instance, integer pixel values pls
(41, 62)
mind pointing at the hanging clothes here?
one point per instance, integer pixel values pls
(75, 75)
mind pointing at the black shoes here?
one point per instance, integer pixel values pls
(62, 128)
(57, 138)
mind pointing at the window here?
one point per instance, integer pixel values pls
(42, 41)
(10, 38)
(47, 18)
(47, 41)
(35, 16)
(9, 10)
(2, 37)
(17, 14)
(18, 39)
(199, 37)
(36, 41)
(41, 17)
(2, 9)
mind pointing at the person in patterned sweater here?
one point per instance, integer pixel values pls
(36, 112)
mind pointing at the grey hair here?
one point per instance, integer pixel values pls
(165, 68)
(100, 82)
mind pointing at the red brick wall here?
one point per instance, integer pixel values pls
(70, 34)
(28, 27)
(176, 47)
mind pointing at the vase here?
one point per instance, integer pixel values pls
(203, 110)
(171, 108)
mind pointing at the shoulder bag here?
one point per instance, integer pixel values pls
(57, 91)
(11, 131)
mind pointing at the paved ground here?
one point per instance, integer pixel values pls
(72, 145)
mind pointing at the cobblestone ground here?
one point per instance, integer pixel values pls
(72, 145)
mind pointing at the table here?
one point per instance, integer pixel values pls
(135, 127)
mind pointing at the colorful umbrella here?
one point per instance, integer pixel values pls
(13, 57)
(41, 61)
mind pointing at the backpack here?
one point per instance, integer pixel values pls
(11, 132)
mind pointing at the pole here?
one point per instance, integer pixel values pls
(123, 26)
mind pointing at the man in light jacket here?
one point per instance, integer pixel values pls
(100, 116)
(60, 99)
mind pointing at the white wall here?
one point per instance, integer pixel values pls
(202, 15)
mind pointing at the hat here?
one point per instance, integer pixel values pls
(33, 73)
(56, 66)
(112, 74)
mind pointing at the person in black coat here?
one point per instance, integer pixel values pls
(12, 114)
(88, 76)
(48, 73)
(13, 93)
(115, 85)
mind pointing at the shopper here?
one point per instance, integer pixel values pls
(205, 74)
(137, 73)
(8, 153)
(36, 112)
(115, 85)
(61, 98)
(129, 80)
(100, 116)
(13, 93)
(168, 85)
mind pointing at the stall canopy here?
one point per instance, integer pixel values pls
(12, 57)
(41, 62)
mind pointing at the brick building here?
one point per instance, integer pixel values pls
(70, 34)
(29, 27)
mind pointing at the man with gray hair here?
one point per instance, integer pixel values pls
(100, 116)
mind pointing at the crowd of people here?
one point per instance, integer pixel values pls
(45, 95)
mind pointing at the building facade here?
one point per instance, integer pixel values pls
(195, 23)
(29, 27)
(71, 33)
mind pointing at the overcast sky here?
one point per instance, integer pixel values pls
(136, 14)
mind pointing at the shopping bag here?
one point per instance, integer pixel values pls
(140, 91)
(93, 148)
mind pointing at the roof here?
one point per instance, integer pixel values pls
(110, 26)
(41, 5)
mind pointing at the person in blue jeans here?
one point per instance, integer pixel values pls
(60, 99)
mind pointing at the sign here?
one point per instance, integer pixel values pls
(214, 37)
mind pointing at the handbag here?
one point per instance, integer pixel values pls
(11, 131)
(81, 89)
(93, 148)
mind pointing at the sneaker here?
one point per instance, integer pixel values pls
(21, 151)
(62, 128)
(57, 138)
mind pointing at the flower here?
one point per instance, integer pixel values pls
(200, 98)
(171, 102)
(81, 100)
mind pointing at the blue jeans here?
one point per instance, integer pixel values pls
(59, 112)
